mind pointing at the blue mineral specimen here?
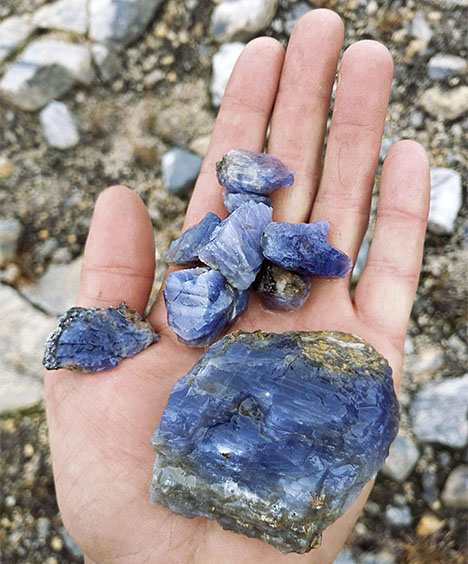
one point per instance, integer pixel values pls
(234, 248)
(233, 200)
(280, 288)
(92, 340)
(303, 248)
(274, 436)
(252, 173)
(200, 304)
(184, 250)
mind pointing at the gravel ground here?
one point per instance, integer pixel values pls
(125, 126)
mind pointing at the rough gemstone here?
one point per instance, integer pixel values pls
(184, 250)
(92, 340)
(274, 436)
(234, 248)
(280, 288)
(200, 304)
(254, 173)
(233, 200)
(303, 248)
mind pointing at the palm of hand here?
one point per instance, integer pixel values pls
(100, 425)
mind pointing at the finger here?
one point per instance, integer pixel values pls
(119, 259)
(356, 130)
(301, 110)
(385, 293)
(242, 120)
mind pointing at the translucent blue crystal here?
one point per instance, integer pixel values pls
(92, 340)
(184, 250)
(303, 248)
(234, 248)
(200, 304)
(274, 436)
(253, 173)
(233, 200)
(280, 288)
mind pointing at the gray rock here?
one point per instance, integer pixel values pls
(23, 332)
(106, 60)
(294, 15)
(455, 492)
(10, 235)
(416, 119)
(46, 69)
(234, 20)
(382, 557)
(445, 104)
(402, 458)
(361, 259)
(56, 291)
(14, 32)
(420, 28)
(58, 126)
(180, 170)
(223, 63)
(387, 142)
(398, 516)
(120, 21)
(446, 199)
(345, 557)
(439, 411)
(443, 66)
(67, 15)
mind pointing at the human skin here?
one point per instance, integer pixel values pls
(100, 424)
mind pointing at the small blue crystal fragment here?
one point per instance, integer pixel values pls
(303, 248)
(184, 250)
(233, 200)
(234, 248)
(253, 173)
(93, 340)
(280, 288)
(200, 304)
(274, 436)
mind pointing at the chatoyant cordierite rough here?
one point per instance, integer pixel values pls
(201, 304)
(274, 436)
(93, 340)
(234, 248)
(247, 172)
(303, 248)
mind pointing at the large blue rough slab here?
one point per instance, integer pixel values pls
(201, 304)
(184, 250)
(93, 340)
(233, 200)
(303, 248)
(280, 288)
(234, 248)
(254, 173)
(274, 436)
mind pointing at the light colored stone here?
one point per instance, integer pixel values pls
(234, 20)
(361, 259)
(443, 66)
(428, 525)
(439, 412)
(446, 199)
(223, 63)
(120, 21)
(382, 557)
(14, 32)
(345, 556)
(46, 69)
(66, 15)
(23, 331)
(6, 167)
(445, 104)
(106, 60)
(10, 235)
(398, 516)
(455, 492)
(56, 291)
(420, 28)
(387, 143)
(402, 458)
(180, 170)
(200, 145)
(59, 126)
(152, 78)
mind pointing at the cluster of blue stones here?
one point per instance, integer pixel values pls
(248, 249)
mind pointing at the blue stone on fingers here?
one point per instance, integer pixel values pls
(233, 200)
(303, 248)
